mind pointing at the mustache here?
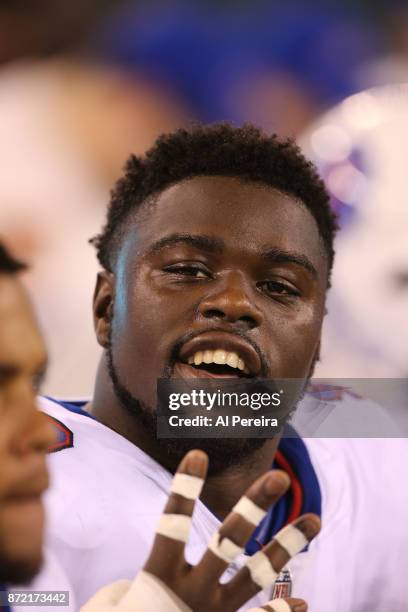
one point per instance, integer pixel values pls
(265, 367)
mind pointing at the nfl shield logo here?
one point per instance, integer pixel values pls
(283, 585)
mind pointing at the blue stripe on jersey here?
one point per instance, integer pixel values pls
(295, 452)
(73, 406)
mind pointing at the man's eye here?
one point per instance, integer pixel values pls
(193, 271)
(279, 288)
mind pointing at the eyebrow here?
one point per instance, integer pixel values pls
(204, 243)
(8, 370)
(281, 256)
(217, 245)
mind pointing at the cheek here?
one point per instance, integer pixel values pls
(297, 339)
(21, 526)
(142, 329)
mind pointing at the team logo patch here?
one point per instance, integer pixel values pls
(283, 585)
(65, 437)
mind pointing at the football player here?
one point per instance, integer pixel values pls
(26, 435)
(216, 260)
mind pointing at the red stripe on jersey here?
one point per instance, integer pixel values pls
(295, 487)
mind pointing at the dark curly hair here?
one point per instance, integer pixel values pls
(9, 265)
(215, 150)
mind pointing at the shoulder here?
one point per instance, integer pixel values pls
(69, 419)
(95, 448)
(338, 411)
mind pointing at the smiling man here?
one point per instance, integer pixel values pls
(216, 260)
(229, 269)
(26, 435)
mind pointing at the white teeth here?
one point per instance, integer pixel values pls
(219, 356)
(232, 360)
(208, 356)
(198, 357)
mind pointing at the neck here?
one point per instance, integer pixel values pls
(221, 491)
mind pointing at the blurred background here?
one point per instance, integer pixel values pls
(84, 84)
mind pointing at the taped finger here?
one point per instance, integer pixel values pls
(230, 540)
(262, 568)
(174, 526)
(282, 605)
(173, 529)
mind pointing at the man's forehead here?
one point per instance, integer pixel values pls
(244, 213)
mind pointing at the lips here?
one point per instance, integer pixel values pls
(213, 343)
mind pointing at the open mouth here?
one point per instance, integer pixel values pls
(217, 363)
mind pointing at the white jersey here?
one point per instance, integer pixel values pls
(107, 495)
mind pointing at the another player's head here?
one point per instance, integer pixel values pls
(25, 433)
(219, 238)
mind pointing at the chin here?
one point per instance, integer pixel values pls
(21, 536)
(19, 570)
(222, 453)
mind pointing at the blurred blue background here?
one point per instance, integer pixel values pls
(83, 84)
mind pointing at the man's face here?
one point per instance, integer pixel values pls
(24, 436)
(216, 265)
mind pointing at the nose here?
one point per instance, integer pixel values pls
(231, 301)
(32, 431)
(42, 435)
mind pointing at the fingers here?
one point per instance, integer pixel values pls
(237, 528)
(283, 605)
(263, 568)
(174, 526)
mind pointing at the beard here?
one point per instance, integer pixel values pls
(18, 571)
(223, 453)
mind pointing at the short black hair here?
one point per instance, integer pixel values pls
(216, 150)
(8, 264)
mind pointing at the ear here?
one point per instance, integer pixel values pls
(103, 301)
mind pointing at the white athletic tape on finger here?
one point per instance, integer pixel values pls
(175, 526)
(224, 548)
(261, 570)
(148, 593)
(187, 486)
(291, 539)
(279, 605)
(109, 595)
(249, 511)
